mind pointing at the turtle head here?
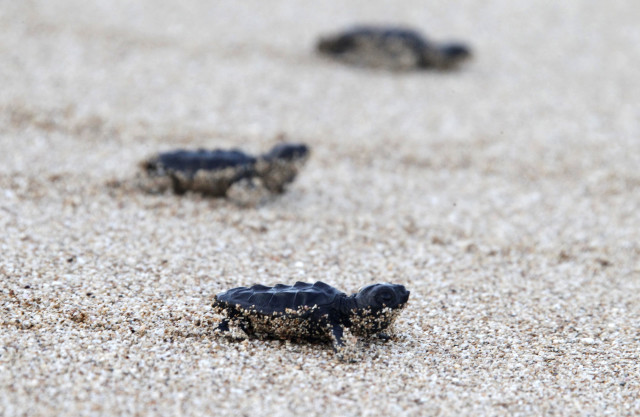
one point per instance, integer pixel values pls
(380, 296)
(453, 54)
(289, 152)
(281, 164)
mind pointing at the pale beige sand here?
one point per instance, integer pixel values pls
(505, 196)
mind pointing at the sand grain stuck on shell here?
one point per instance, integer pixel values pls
(504, 196)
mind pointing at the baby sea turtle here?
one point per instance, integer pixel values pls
(213, 172)
(312, 312)
(392, 48)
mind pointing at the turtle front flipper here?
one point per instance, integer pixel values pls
(384, 336)
(344, 343)
(337, 336)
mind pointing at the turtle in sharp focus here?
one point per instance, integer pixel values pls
(393, 48)
(213, 172)
(312, 312)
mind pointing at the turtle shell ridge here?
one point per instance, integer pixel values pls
(279, 298)
(190, 162)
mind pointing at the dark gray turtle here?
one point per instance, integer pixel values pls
(213, 172)
(392, 48)
(312, 312)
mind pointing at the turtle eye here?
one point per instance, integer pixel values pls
(385, 297)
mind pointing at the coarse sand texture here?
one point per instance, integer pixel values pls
(504, 195)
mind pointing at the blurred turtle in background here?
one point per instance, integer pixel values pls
(213, 172)
(392, 48)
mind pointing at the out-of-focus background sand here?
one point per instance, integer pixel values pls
(505, 196)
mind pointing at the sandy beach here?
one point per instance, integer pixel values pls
(505, 196)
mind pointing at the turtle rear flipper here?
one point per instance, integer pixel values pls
(233, 329)
(233, 324)
(222, 327)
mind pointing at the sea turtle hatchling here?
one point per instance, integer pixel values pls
(392, 48)
(213, 172)
(311, 312)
